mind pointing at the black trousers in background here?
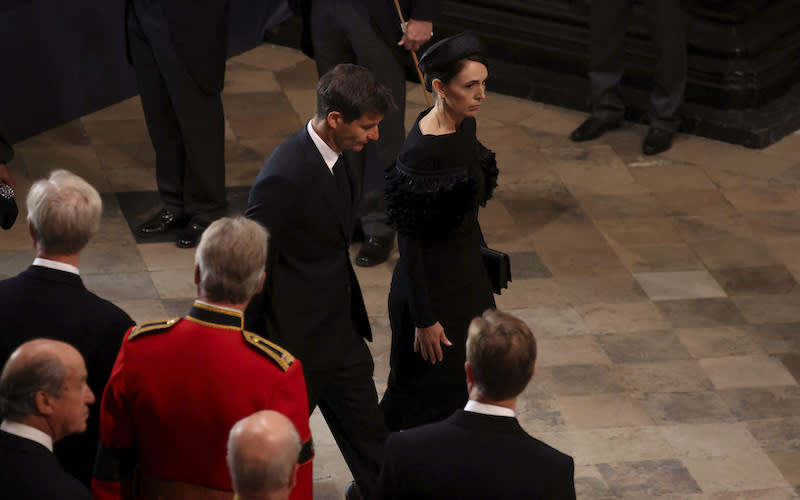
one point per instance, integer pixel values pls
(342, 32)
(186, 125)
(349, 402)
(608, 23)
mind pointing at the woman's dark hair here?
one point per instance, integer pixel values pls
(448, 72)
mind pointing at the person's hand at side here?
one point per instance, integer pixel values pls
(417, 34)
(428, 342)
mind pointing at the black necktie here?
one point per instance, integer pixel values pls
(340, 174)
(342, 182)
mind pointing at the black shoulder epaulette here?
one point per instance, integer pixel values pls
(153, 327)
(276, 353)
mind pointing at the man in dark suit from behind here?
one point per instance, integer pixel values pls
(368, 33)
(481, 451)
(43, 398)
(49, 298)
(311, 303)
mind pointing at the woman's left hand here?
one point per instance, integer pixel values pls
(428, 340)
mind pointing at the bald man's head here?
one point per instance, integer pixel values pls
(43, 384)
(262, 455)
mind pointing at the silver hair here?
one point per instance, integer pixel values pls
(64, 211)
(254, 476)
(231, 257)
(19, 385)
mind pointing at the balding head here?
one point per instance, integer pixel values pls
(262, 456)
(43, 384)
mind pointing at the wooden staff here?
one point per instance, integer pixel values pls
(403, 26)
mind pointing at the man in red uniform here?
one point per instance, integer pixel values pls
(178, 386)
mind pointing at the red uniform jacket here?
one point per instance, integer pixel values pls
(177, 388)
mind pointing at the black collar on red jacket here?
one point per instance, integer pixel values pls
(218, 317)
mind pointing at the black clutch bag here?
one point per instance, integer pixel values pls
(8, 206)
(498, 266)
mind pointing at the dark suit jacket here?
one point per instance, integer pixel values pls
(199, 32)
(382, 12)
(311, 303)
(28, 470)
(43, 302)
(474, 456)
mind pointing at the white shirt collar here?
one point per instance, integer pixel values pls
(330, 156)
(27, 432)
(498, 411)
(53, 264)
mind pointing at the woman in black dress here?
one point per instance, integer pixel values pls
(441, 177)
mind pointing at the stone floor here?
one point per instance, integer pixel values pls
(663, 290)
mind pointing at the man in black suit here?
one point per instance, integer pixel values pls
(368, 33)
(43, 398)
(608, 21)
(178, 49)
(49, 299)
(481, 451)
(312, 303)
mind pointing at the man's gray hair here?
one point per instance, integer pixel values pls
(19, 383)
(257, 474)
(64, 211)
(231, 257)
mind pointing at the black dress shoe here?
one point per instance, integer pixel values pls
(190, 237)
(352, 492)
(593, 128)
(163, 221)
(657, 141)
(374, 251)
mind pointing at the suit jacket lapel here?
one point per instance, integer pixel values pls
(321, 175)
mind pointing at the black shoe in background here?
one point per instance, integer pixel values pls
(593, 128)
(352, 492)
(374, 251)
(190, 237)
(163, 221)
(657, 141)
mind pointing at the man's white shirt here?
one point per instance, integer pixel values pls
(330, 156)
(27, 432)
(498, 411)
(52, 264)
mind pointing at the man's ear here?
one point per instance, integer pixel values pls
(470, 376)
(32, 232)
(334, 119)
(261, 282)
(197, 274)
(44, 403)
